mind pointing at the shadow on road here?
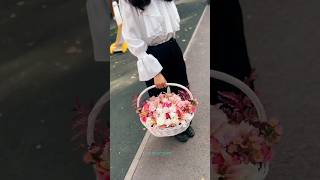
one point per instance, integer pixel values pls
(46, 63)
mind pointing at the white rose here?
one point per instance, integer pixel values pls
(160, 120)
(173, 115)
(166, 109)
(172, 109)
(175, 121)
(159, 110)
(184, 123)
(168, 123)
(148, 122)
(187, 116)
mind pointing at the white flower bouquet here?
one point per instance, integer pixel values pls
(167, 114)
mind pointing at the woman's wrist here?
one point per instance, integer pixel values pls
(158, 74)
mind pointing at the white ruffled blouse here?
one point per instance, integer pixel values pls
(155, 25)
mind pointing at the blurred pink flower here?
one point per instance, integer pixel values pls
(267, 152)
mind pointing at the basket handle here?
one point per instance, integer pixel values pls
(168, 84)
(93, 116)
(244, 88)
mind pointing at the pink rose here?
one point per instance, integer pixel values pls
(218, 159)
(179, 113)
(146, 106)
(144, 119)
(167, 104)
(236, 160)
(167, 116)
(267, 152)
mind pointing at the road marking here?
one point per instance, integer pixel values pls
(194, 32)
(137, 157)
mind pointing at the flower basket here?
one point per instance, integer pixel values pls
(168, 131)
(222, 158)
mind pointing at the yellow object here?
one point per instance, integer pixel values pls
(118, 48)
(119, 45)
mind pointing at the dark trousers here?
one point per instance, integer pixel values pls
(171, 59)
(229, 50)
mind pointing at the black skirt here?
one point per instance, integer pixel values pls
(171, 59)
(229, 48)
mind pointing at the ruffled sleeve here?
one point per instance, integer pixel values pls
(148, 65)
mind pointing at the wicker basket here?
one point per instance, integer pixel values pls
(172, 131)
(96, 110)
(261, 172)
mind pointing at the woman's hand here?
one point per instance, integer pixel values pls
(160, 81)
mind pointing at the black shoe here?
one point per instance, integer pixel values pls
(182, 137)
(190, 131)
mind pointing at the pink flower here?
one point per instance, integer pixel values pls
(144, 119)
(167, 116)
(267, 152)
(236, 160)
(161, 96)
(218, 159)
(179, 112)
(146, 106)
(167, 104)
(215, 145)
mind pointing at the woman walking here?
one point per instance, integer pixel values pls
(149, 28)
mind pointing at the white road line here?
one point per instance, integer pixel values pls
(194, 33)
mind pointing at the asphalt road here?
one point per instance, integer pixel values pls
(283, 41)
(127, 132)
(46, 62)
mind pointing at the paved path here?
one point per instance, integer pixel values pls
(283, 41)
(166, 158)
